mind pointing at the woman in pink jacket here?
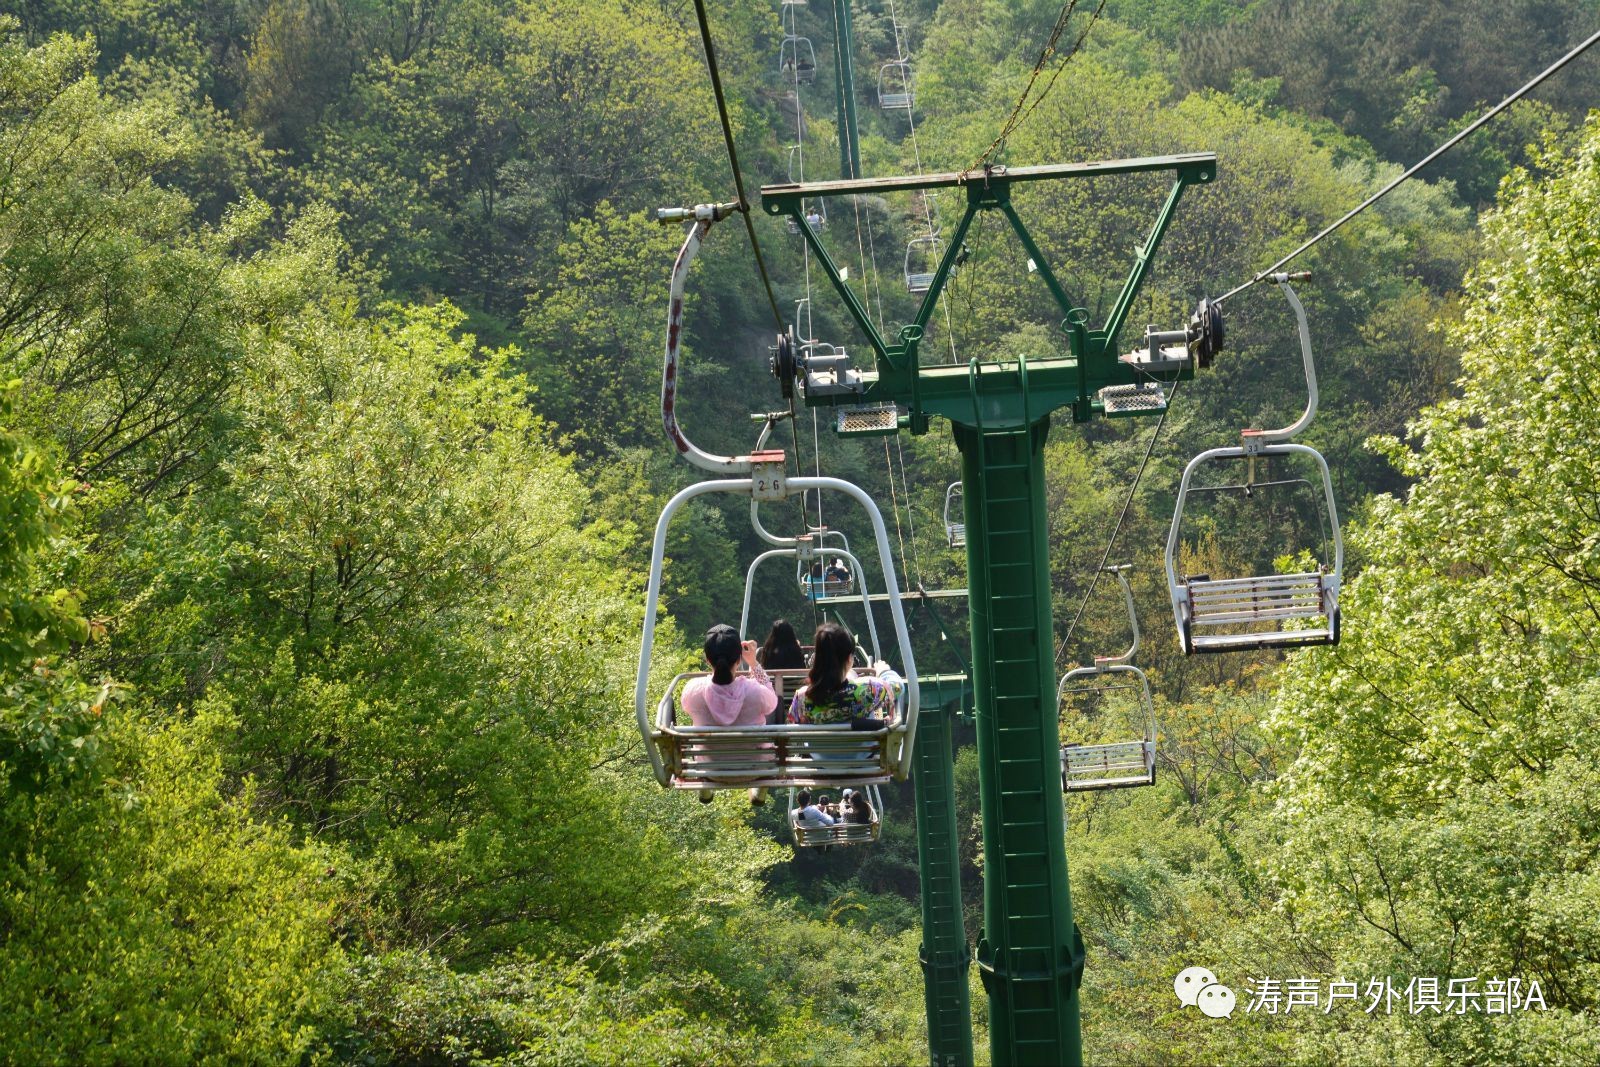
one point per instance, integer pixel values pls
(727, 699)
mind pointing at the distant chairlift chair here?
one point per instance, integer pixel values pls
(797, 59)
(1233, 614)
(922, 262)
(894, 86)
(1119, 764)
(955, 526)
(841, 832)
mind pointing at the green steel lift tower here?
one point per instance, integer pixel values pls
(1029, 950)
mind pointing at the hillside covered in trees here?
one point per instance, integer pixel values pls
(330, 453)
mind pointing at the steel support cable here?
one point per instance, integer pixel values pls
(911, 521)
(888, 466)
(1155, 435)
(805, 252)
(1429, 158)
(1018, 116)
(927, 211)
(872, 251)
(733, 155)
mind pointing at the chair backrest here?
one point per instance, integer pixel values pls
(708, 756)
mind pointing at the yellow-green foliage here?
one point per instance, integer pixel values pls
(149, 915)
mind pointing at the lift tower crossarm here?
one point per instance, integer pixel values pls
(1053, 382)
(1196, 161)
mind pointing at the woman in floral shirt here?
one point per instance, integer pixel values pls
(834, 695)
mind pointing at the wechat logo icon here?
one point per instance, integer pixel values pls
(1197, 987)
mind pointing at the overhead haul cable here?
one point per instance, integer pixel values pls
(1018, 115)
(1429, 158)
(733, 156)
(1105, 556)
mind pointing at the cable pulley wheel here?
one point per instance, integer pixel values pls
(783, 365)
(1206, 331)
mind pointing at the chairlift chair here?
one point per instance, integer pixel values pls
(820, 590)
(797, 58)
(955, 526)
(1118, 764)
(1246, 613)
(841, 832)
(709, 757)
(922, 253)
(894, 86)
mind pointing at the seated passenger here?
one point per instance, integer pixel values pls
(809, 814)
(834, 695)
(838, 572)
(857, 809)
(782, 651)
(725, 699)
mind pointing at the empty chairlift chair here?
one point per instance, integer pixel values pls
(894, 86)
(922, 262)
(841, 832)
(1251, 612)
(955, 525)
(1114, 764)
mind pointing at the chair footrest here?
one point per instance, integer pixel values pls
(867, 420)
(1139, 399)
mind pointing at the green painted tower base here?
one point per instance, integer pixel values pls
(946, 959)
(1029, 951)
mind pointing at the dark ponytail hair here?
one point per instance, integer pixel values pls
(722, 651)
(830, 663)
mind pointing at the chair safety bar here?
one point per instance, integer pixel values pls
(896, 749)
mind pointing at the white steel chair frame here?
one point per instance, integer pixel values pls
(954, 531)
(688, 757)
(1120, 764)
(922, 281)
(1269, 598)
(790, 47)
(673, 747)
(902, 100)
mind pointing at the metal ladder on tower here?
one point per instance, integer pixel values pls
(1024, 750)
(946, 957)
